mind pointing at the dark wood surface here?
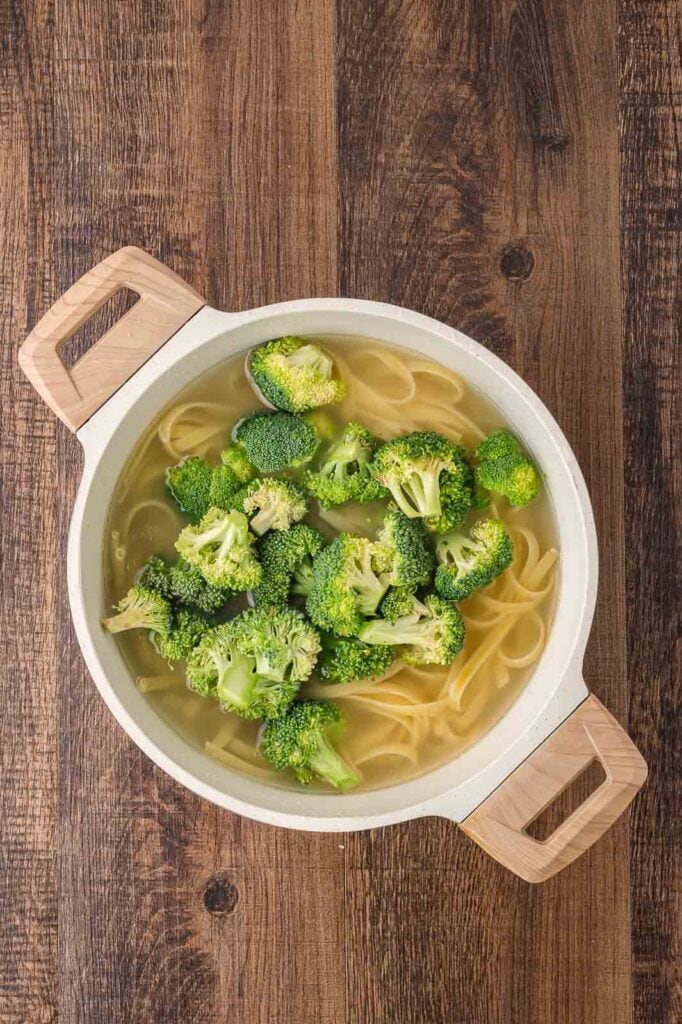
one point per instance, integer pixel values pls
(512, 168)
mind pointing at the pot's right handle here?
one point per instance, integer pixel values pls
(166, 303)
(499, 823)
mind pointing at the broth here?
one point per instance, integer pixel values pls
(413, 719)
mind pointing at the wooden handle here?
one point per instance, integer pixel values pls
(166, 303)
(499, 823)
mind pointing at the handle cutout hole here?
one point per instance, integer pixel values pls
(97, 325)
(568, 801)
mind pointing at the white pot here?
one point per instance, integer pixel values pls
(545, 739)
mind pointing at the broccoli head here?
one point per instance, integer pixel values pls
(217, 668)
(155, 575)
(220, 546)
(190, 483)
(502, 467)
(286, 558)
(345, 586)
(469, 563)
(398, 601)
(406, 554)
(233, 473)
(271, 504)
(275, 440)
(418, 469)
(299, 741)
(343, 473)
(294, 375)
(282, 641)
(254, 665)
(188, 628)
(432, 633)
(182, 584)
(345, 659)
(141, 608)
(234, 458)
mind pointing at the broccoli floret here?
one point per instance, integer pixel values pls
(188, 628)
(189, 587)
(344, 473)
(407, 558)
(299, 741)
(503, 468)
(155, 575)
(456, 498)
(254, 665)
(218, 668)
(345, 659)
(431, 634)
(417, 469)
(345, 588)
(190, 483)
(282, 641)
(274, 440)
(469, 563)
(287, 561)
(271, 504)
(233, 473)
(141, 608)
(399, 601)
(221, 548)
(234, 458)
(294, 375)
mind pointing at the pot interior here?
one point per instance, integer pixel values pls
(189, 356)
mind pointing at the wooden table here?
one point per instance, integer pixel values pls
(511, 167)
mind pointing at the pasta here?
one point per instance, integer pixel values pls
(412, 718)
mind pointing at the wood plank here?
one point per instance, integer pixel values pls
(206, 136)
(478, 176)
(28, 924)
(651, 170)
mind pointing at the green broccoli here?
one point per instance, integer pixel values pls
(181, 584)
(188, 628)
(220, 546)
(141, 608)
(189, 587)
(431, 634)
(271, 504)
(299, 741)
(343, 473)
(294, 375)
(190, 483)
(286, 558)
(155, 575)
(502, 467)
(233, 473)
(419, 470)
(217, 668)
(398, 601)
(254, 665)
(274, 440)
(345, 587)
(406, 555)
(345, 659)
(282, 641)
(469, 563)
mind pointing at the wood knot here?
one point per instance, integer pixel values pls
(220, 896)
(554, 137)
(517, 262)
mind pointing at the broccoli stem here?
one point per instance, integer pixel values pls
(302, 579)
(131, 618)
(326, 763)
(310, 357)
(262, 521)
(393, 633)
(236, 681)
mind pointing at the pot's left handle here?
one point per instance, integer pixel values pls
(166, 303)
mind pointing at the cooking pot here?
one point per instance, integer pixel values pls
(554, 729)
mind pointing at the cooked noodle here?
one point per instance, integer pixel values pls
(412, 717)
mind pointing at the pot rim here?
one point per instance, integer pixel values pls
(192, 351)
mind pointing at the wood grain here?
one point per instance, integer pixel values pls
(650, 45)
(461, 158)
